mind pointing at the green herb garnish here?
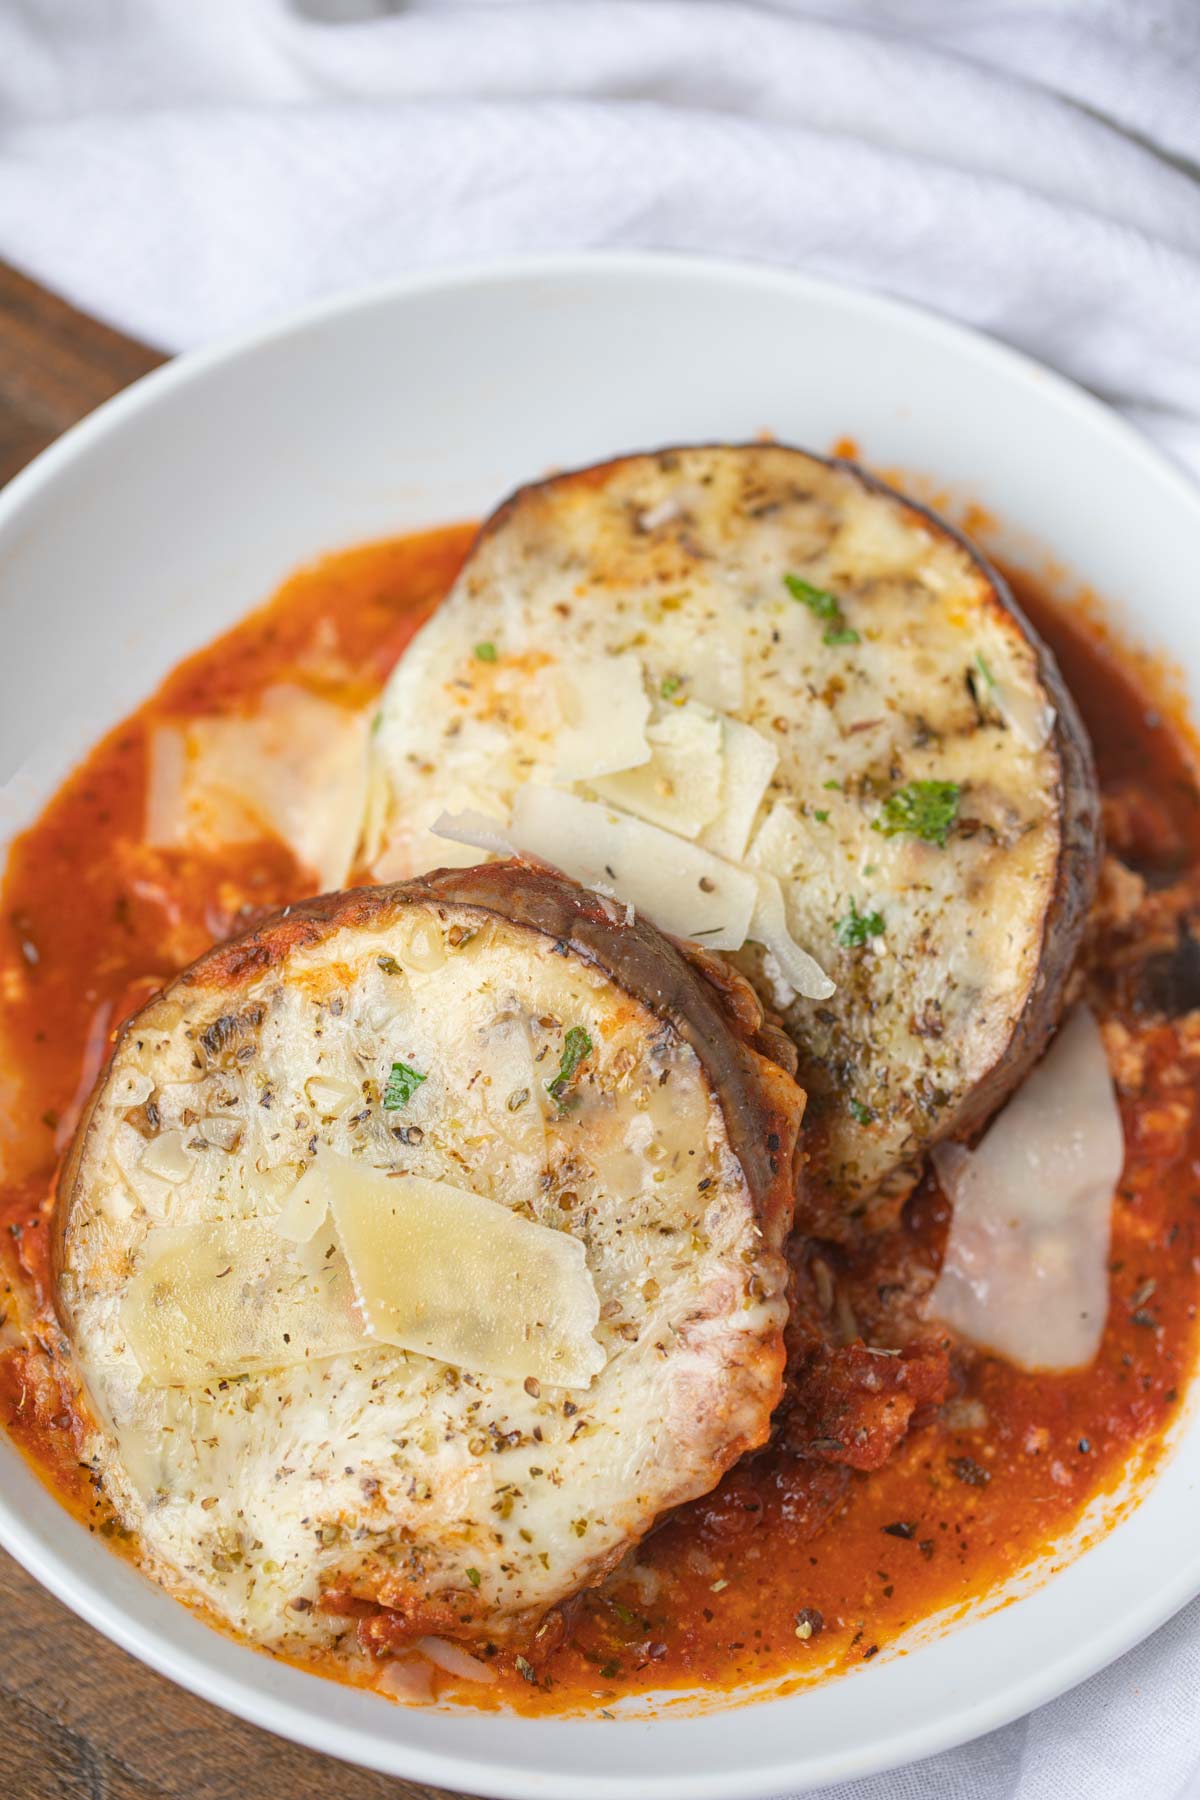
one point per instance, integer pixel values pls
(485, 652)
(856, 928)
(820, 815)
(818, 600)
(984, 670)
(924, 809)
(671, 685)
(473, 1576)
(862, 1115)
(832, 784)
(403, 1083)
(576, 1046)
(825, 606)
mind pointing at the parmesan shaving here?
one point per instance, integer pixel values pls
(454, 1660)
(680, 786)
(474, 829)
(444, 1272)
(682, 888)
(748, 763)
(230, 1297)
(792, 970)
(295, 770)
(1024, 714)
(305, 1210)
(604, 713)
(1026, 1266)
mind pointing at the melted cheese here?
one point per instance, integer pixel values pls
(623, 1218)
(853, 713)
(210, 1301)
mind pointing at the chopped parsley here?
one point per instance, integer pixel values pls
(862, 1115)
(473, 1576)
(836, 785)
(923, 809)
(576, 1046)
(671, 685)
(856, 928)
(403, 1083)
(485, 652)
(823, 605)
(820, 815)
(818, 600)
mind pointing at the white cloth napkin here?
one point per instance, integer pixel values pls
(184, 170)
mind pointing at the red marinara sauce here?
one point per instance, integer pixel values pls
(791, 1568)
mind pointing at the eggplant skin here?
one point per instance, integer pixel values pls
(675, 1165)
(684, 553)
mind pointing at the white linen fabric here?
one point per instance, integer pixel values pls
(186, 170)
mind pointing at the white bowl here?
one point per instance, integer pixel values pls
(169, 513)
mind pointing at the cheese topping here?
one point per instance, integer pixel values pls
(904, 746)
(212, 1301)
(442, 1271)
(680, 785)
(1025, 1271)
(422, 1249)
(295, 770)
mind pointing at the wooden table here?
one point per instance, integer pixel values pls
(80, 1720)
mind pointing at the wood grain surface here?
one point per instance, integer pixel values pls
(80, 1720)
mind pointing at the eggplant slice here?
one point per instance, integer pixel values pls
(931, 815)
(502, 1034)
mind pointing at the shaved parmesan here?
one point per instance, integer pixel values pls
(407, 1678)
(454, 1660)
(305, 1210)
(446, 1273)
(228, 1297)
(682, 888)
(331, 1096)
(604, 714)
(1026, 1266)
(474, 829)
(791, 970)
(679, 787)
(296, 770)
(782, 845)
(415, 843)
(748, 763)
(167, 1157)
(1024, 713)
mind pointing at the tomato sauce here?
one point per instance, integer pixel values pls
(792, 1568)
